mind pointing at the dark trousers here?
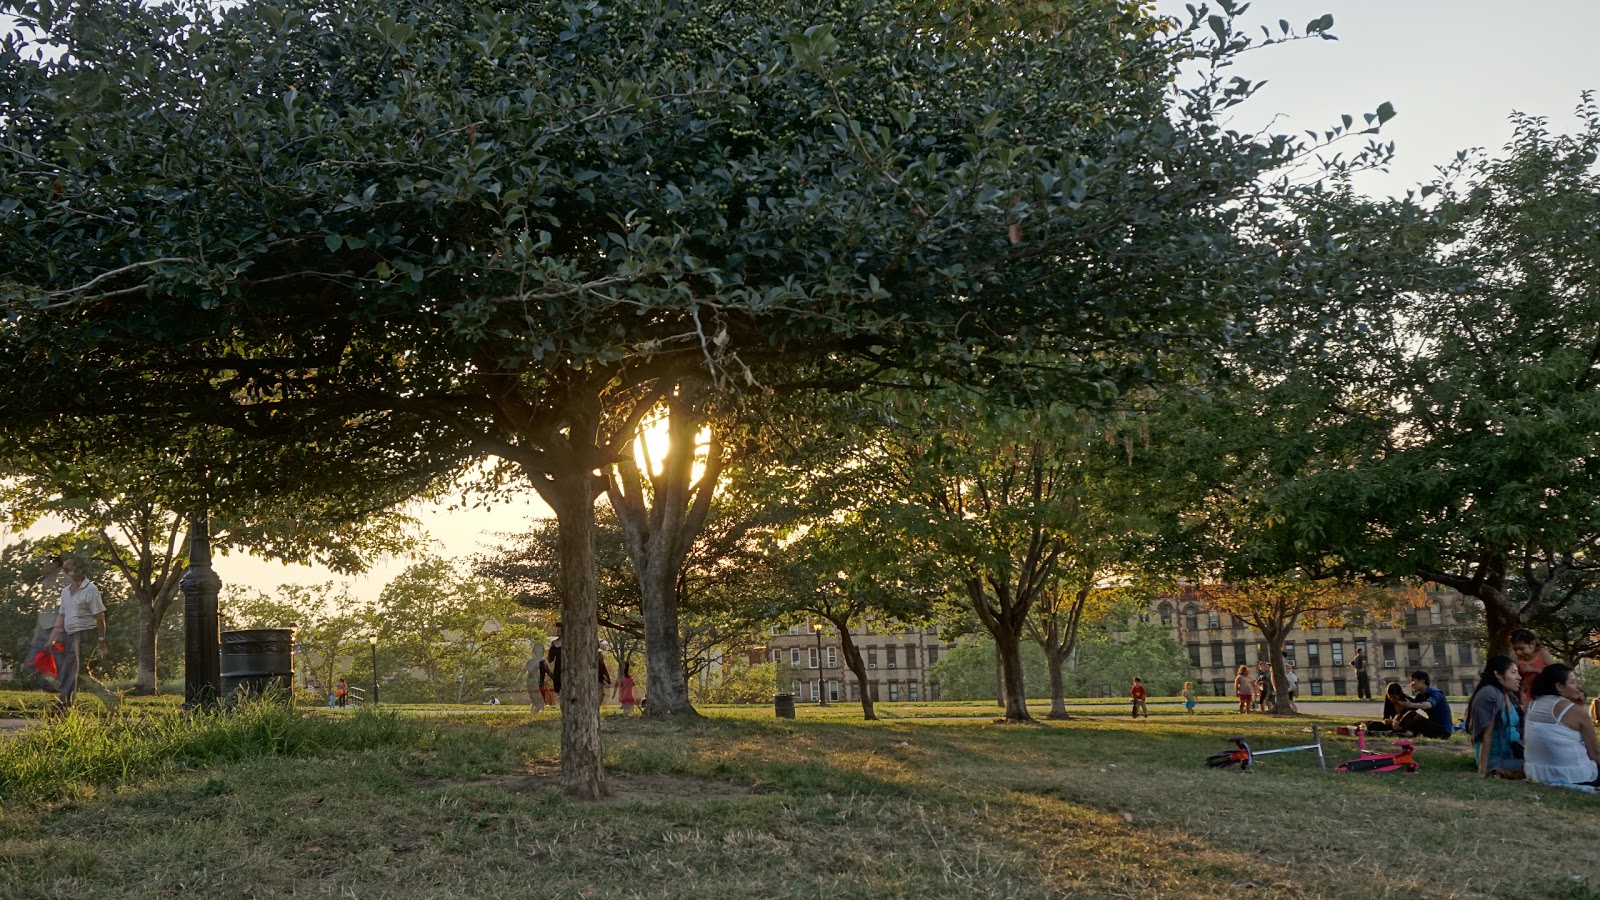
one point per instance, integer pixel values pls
(68, 661)
(1417, 722)
(1363, 686)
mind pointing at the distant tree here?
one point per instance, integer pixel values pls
(1111, 653)
(967, 670)
(331, 625)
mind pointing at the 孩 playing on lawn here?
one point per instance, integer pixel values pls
(1138, 695)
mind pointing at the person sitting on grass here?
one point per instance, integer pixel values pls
(1138, 695)
(1427, 712)
(1393, 696)
(1244, 688)
(1493, 719)
(1561, 740)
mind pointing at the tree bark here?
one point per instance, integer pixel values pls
(1056, 658)
(1280, 674)
(144, 682)
(858, 667)
(1008, 647)
(570, 492)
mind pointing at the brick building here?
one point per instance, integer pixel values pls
(1443, 637)
(898, 659)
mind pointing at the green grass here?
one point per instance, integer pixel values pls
(742, 805)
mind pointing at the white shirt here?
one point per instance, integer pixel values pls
(79, 608)
(1555, 753)
(1292, 678)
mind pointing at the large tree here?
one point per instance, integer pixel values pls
(507, 230)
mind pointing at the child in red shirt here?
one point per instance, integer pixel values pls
(1138, 694)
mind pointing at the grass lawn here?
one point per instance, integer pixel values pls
(741, 805)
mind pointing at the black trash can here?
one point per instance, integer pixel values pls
(258, 662)
(783, 705)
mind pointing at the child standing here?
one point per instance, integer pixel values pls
(1188, 697)
(625, 690)
(1138, 695)
(1244, 689)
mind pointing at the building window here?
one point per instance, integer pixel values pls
(1238, 623)
(1467, 684)
(894, 691)
(833, 657)
(775, 655)
(1314, 654)
(833, 691)
(1165, 611)
(1440, 655)
(1411, 617)
(1216, 654)
(933, 656)
(1194, 654)
(1219, 688)
(794, 629)
(1341, 687)
(911, 691)
(815, 695)
(1413, 653)
(794, 656)
(1336, 650)
(890, 652)
(777, 629)
(1191, 618)
(1212, 620)
(1239, 654)
(1288, 652)
(855, 692)
(1361, 645)
(811, 657)
(911, 657)
(1435, 614)
(1316, 687)
(872, 657)
(797, 691)
(1388, 654)
(1466, 654)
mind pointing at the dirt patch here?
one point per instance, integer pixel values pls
(647, 788)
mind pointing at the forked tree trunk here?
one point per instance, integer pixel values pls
(570, 493)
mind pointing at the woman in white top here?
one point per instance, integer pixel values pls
(1561, 745)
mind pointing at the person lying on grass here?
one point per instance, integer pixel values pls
(1561, 745)
(1493, 719)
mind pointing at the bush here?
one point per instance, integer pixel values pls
(738, 684)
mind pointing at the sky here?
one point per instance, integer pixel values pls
(1453, 69)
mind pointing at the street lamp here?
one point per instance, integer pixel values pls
(373, 640)
(822, 683)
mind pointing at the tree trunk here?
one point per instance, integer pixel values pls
(668, 689)
(1280, 674)
(852, 659)
(1008, 648)
(569, 491)
(144, 683)
(1499, 619)
(1056, 658)
(999, 678)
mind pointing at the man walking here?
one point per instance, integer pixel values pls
(1363, 682)
(82, 610)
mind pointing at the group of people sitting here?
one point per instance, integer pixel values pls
(1527, 717)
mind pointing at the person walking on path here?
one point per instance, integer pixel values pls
(1363, 680)
(48, 590)
(341, 693)
(82, 610)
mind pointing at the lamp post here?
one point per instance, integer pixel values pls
(822, 683)
(373, 640)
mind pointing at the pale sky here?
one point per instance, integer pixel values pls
(1454, 70)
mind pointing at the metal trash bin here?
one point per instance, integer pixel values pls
(258, 662)
(783, 705)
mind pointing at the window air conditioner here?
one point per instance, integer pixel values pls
(1388, 664)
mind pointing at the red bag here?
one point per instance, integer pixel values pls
(45, 662)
